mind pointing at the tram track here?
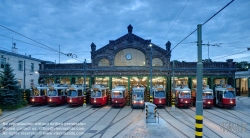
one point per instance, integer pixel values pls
(111, 124)
(38, 120)
(203, 124)
(192, 127)
(79, 121)
(97, 121)
(52, 120)
(128, 124)
(233, 115)
(218, 123)
(20, 114)
(10, 124)
(247, 106)
(174, 126)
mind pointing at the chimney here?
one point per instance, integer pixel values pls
(14, 49)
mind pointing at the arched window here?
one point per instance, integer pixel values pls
(157, 62)
(103, 62)
(130, 57)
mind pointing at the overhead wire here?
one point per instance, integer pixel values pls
(230, 55)
(198, 28)
(175, 20)
(38, 42)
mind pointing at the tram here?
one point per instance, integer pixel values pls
(99, 95)
(224, 96)
(138, 94)
(182, 96)
(38, 94)
(75, 95)
(207, 97)
(57, 94)
(159, 96)
(119, 96)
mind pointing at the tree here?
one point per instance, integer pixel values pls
(11, 97)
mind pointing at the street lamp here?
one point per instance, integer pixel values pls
(151, 92)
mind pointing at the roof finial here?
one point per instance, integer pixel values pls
(130, 28)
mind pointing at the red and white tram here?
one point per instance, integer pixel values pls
(38, 94)
(225, 96)
(207, 97)
(138, 94)
(75, 95)
(182, 96)
(159, 96)
(56, 95)
(99, 95)
(119, 96)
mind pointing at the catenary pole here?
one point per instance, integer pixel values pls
(199, 76)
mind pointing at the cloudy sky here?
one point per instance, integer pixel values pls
(75, 24)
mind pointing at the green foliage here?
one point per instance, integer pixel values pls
(11, 97)
(242, 66)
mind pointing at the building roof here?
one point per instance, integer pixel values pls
(22, 56)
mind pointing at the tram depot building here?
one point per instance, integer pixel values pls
(126, 61)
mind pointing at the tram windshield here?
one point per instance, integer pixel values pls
(207, 95)
(229, 94)
(185, 94)
(137, 94)
(116, 94)
(96, 94)
(160, 94)
(72, 93)
(34, 92)
(52, 93)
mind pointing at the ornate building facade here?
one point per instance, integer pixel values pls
(126, 61)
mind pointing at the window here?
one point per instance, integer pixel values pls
(20, 65)
(32, 67)
(3, 62)
(19, 83)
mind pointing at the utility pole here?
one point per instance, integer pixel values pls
(199, 76)
(173, 91)
(151, 91)
(217, 44)
(85, 76)
(24, 75)
(59, 54)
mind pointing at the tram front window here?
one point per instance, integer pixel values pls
(160, 94)
(72, 93)
(185, 95)
(96, 94)
(34, 92)
(207, 95)
(137, 95)
(229, 94)
(52, 93)
(117, 94)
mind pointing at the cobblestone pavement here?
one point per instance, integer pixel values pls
(106, 122)
(151, 130)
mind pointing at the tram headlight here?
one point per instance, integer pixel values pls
(33, 100)
(94, 101)
(185, 101)
(50, 100)
(141, 102)
(231, 102)
(70, 100)
(134, 102)
(159, 101)
(115, 101)
(208, 102)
